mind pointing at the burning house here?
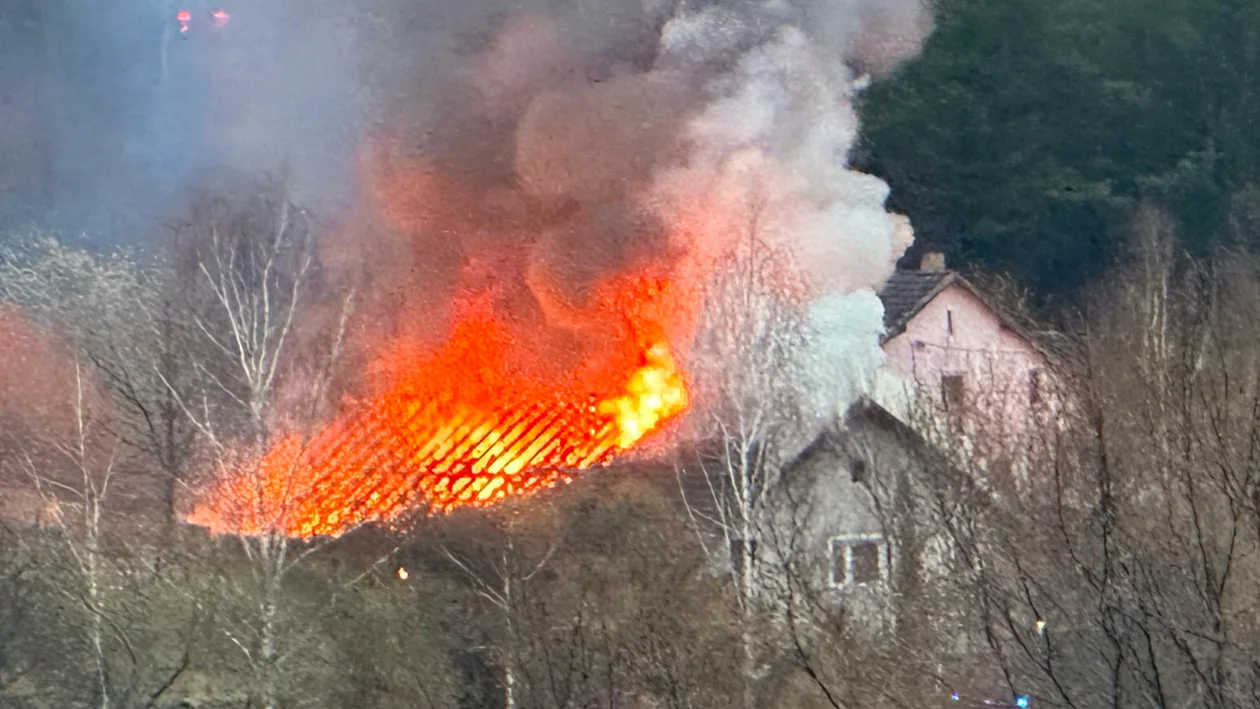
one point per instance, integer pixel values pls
(581, 234)
(538, 241)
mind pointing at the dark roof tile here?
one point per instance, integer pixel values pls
(906, 292)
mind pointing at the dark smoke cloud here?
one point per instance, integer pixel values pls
(534, 145)
(581, 139)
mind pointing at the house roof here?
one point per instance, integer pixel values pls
(834, 442)
(908, 291)
(863, 414)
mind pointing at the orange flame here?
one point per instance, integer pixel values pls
(654, 393)
(461, 427)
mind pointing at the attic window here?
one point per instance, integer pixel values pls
(857, 472)
(953, 391)
(949, 322)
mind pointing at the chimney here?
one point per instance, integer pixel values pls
(932, 262)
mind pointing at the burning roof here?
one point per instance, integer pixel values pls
(550, 190)
(458, 428)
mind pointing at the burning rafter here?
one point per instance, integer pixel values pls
(411, 450)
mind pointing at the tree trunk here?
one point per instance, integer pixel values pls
(746, 590)
(509, 687)
(509, 678)
(96, 628)
(273, 557)
(267, 657)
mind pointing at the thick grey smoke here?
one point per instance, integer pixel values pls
(770, 144)
(776, 133)
(586, 137)
(535, 146)
(657, 134)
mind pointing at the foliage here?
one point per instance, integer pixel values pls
(1027, 132)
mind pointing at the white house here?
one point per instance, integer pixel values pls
(965, 370)
(858, 520)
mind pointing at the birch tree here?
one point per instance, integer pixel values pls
(72, 448)
(500, 559)
(252, 261)
(87, 493)
(120, 606)
(396, 632)
(591, 597)
(127, 320)
(747, 381)
(634, 613)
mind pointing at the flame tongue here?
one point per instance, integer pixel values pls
(441, 441)
(655, 393)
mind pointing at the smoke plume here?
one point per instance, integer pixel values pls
(569, 142)
(526, 152)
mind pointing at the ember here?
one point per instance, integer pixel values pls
(458, 428)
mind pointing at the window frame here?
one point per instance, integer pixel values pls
(848, 541)
(859, 472)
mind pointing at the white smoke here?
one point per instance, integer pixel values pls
(768, 151)
(571, 141)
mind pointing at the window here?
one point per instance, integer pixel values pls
(953, 391)
(857, 473)
(864, 562)
(949, 322)
(858, 561)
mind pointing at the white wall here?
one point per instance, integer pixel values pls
(1008, 394)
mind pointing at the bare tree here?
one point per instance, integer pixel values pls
(748, 381)
(397, 631)
(1121, 574)
(254, 265)
(500, 564)
(638, 612)
(128, 322)
(80, 473)
(592, 599)
(79, 457)
(89, 494)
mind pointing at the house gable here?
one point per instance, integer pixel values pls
(850, 491)
(956, 319)
(955, 352)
